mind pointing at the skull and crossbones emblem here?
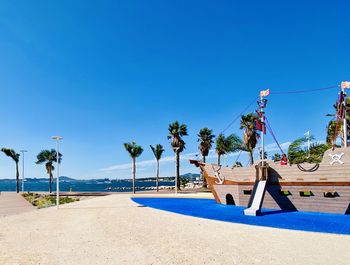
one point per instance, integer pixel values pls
(336, 158)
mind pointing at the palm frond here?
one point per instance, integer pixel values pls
(297, 152)
(205, 139)
(251, 134)
(133, 149)
(48, 156)
(157, 151)
(229, 144)
(11, 153)
(176, 132)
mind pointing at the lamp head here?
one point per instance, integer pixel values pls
(57, 138)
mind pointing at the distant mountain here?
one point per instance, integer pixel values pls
(67, 178)
(62, 178)
(188, 176)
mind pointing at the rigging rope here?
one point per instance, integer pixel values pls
(240, 152)
(273, 135)
(277, 93)
(314, 168)
(239, 115)
(302, 91)
(300, 167)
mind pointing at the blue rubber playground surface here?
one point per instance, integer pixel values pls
(209, 209)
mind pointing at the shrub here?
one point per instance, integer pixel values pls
(43, 201)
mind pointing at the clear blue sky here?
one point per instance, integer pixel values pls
(101, 73)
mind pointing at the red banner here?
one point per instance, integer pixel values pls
(260, 126)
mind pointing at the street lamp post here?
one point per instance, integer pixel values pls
(57, 139)
(307, 135)
(23, 151)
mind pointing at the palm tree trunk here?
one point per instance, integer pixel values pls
(17, 178)
(50, 180)
(219, 159)
(157, 176)
(251, 157)
(178, 169)
(204, 180)
(133, 175)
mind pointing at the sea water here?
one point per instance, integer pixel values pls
(83, 185)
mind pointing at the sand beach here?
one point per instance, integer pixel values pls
(115, 230)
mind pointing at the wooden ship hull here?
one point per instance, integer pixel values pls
(323, 187)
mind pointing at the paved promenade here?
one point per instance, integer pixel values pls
(13, 203)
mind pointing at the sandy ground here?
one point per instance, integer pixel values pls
(114, 230)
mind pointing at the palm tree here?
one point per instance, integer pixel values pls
(176, 132)
(49, 157)
(261, 155)
(226, 145)
(15, 157)
(333, 129)
(205, 139)
(276, 157)
(251, 134)
(297, 153)
(134, 151)
(238, 164)
(157, 151)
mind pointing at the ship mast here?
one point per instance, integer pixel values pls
(260, 184)
(262, 105)
(344, 85)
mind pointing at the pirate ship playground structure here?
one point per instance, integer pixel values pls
(322, 187)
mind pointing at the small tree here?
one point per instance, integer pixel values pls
(184, 181)
(134, 151)
(260, 154)
(298, 154)
(276, 157)
(238, 164)
(15, 157)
